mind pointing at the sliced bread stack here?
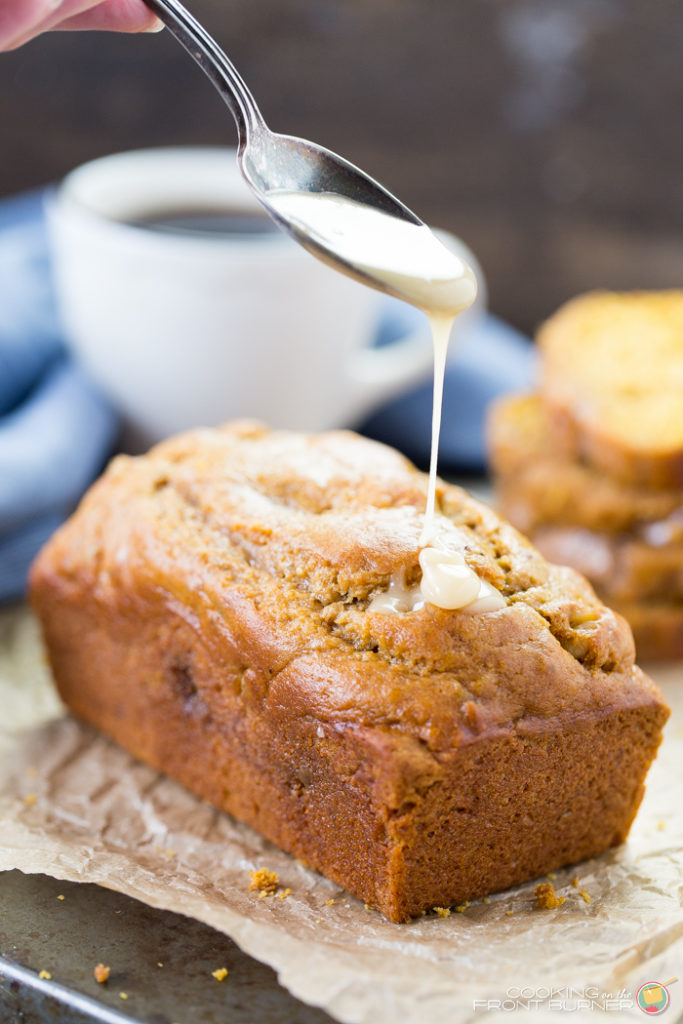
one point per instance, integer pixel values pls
(591, 467)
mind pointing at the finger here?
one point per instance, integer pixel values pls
(19, 21)
(114, 15)
(118, 15)
(49, 15)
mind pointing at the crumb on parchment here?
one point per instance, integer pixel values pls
(546, 897)
(263, 881)
(60, 897)
(220, 974)
(585, 896)
(45, 975)
(101, 974)
(442, 911)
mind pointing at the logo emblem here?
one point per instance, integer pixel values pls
(653, 997)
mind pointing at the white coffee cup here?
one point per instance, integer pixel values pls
(181, 330)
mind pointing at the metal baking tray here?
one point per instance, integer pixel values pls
(161, 962)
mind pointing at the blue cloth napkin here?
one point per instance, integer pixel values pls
(56, 430)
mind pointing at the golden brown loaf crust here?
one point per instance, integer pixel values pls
(207, 606)
(612, 379)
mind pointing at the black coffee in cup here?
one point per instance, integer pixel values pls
(212, 222)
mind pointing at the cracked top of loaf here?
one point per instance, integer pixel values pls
(272, 544)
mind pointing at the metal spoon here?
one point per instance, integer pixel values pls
(273, 164)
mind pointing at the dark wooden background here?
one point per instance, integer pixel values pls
(547, 133)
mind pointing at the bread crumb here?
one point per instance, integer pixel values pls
(462, 907)
(101, 974)
(123, 995)
(575, 881)
(367, 906)
(61, 897)
(551, 875)
(442, 911)
(263, 881)
(159, 963)
(661, 826)
(328, 903)
(220, 974)
(486, 899)
(584, 896)
(30, 799)
(284, 894)
(546, 897)
(508, 913)
(45, 975)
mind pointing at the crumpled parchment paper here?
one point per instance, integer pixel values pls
(75, 806)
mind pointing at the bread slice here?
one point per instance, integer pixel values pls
(209, 606)
(642, 583)
(612, 379)
(621, 567)
(657, 628)
(539, 482)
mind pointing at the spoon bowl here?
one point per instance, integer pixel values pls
(278, 167)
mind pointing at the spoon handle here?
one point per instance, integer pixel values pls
(214, 63)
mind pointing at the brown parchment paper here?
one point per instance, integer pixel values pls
(75, 806)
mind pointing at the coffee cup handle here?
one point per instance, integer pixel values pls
(379, 373)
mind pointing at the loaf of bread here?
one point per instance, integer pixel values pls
(209, 607)
(612, 379)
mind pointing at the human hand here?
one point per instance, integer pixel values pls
(21, 20)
